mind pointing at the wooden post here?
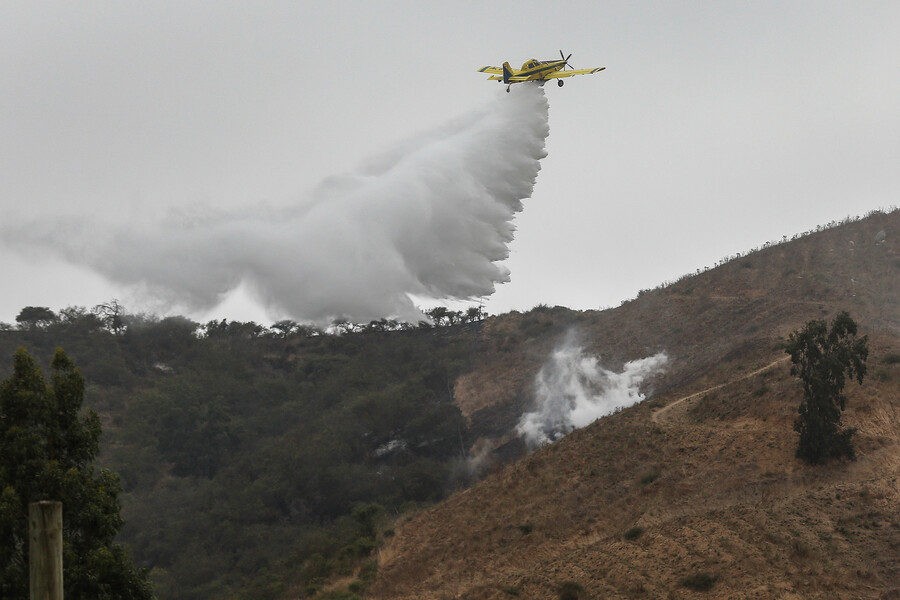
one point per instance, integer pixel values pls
(45, 567)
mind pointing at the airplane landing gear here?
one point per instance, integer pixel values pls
(507, 88)
(560, 82)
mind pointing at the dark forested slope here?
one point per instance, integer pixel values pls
(244, 450)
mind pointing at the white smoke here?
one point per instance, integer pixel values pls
(432, 219)
(573, 391)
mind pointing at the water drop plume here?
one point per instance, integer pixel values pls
(572, 390)
(433, 217)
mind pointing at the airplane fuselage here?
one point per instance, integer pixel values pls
(539, 71)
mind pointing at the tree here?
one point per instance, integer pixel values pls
(284, 329)
(821, 358)
(77, 318)
(112, 315)
(34, 317)
(475, 313)
(47, 445)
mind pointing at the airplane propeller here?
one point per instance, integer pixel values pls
(566, 60)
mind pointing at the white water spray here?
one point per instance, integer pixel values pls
(573, 390)
(432, 219)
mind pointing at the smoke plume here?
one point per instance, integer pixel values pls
(573, 390)
(431, 218)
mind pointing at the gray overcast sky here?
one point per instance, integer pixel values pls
(717, 125)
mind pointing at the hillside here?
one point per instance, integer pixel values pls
(702, 477)
(705, 321)
(244, 451)
(271, 462)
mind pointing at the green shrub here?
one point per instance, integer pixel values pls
(761, 391)
(357, 587)
(368, 570)
(526, 528)
(570, 591)
(700, 581)
(633, 533)
(891, 358)
(800, 549)
(649, 478)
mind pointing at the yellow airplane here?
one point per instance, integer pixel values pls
(536, 70)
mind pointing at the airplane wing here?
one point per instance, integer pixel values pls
(561, 74)
(491, 70)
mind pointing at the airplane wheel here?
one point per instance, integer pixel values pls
(507, 90)
(560, 82)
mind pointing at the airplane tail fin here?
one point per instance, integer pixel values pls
(507, 72)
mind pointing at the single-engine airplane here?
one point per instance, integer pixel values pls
(540, 71)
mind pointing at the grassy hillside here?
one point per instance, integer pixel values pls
(697, 488)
